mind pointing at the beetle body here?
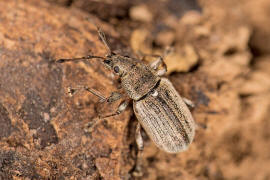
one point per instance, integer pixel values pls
(157, 105)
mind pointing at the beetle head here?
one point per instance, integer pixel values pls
(121, 65)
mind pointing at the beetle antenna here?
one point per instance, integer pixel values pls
(79, 59)
(103, 38)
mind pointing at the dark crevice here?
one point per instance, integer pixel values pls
(195, 67)
(244, 96)
(253, 48)
(255, 51)
(69, 3)
(220, 84)
(231, 51)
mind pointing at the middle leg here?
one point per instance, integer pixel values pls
(139, 141)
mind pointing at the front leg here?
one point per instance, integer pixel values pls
(159, 62)
(156, 63)
(115, 96)
(155, 66)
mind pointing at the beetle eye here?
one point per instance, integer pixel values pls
(107, 61)
(116, 69)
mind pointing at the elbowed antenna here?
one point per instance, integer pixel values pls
(103, 38)
(78, 59)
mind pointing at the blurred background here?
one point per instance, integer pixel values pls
(220, 60)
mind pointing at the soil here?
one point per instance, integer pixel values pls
(219, 58)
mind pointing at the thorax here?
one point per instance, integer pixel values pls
(139, 81)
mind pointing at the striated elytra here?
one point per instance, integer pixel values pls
(166, 118)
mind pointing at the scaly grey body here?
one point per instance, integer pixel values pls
(157, 105)
(166, 118)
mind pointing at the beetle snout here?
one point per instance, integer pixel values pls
(108, 62)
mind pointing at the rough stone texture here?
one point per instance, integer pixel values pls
(45, 134)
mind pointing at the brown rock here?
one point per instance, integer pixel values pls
(47, 134)
(42, 129)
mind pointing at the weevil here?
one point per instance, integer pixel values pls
(160, 110)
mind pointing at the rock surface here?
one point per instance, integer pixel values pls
(223, 67)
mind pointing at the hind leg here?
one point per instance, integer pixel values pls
(139, 141)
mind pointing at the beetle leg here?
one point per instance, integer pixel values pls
(139, 141)
(90, 126)
(161, 72)
(159, 62)
(188, 102)
(113, 97)
(122, 107)
(72, 91)
(200, 126)
(156, 63)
